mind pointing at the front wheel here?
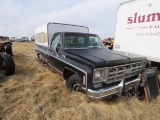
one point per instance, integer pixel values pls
(74, 83)
(7, 64)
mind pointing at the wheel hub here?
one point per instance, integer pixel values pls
(76, 88)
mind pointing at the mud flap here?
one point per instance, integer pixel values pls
(151, 84)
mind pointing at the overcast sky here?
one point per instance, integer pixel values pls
(19, 18)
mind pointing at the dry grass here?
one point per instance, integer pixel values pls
(36, 92)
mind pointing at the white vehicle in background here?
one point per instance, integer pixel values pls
(12, 39)
(138, 28)
(33, 38)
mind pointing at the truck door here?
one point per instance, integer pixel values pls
(54, 58)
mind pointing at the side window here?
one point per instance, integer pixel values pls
(56, 40)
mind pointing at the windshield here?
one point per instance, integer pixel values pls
(82, 41)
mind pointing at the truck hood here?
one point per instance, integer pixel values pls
(105, 57)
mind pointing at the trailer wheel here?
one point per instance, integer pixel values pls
(74, 83)
(8, 64)
(9, 49)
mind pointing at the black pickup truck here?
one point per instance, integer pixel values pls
(89, 67)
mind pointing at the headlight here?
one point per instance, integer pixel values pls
(98, 76)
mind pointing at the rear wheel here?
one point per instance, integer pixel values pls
(74, 83)
(41, 58)
(7, 64)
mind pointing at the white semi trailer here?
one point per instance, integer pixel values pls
(138, 28)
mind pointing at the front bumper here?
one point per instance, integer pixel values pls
(97, 94)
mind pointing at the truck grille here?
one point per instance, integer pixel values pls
(125, 71)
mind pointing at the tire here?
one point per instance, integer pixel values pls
(74, 83)
(9, 49)
(9, 66)
(41, 58)
(1, 61)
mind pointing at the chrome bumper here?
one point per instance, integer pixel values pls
(97, 94)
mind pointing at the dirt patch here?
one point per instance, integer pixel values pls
(37, 92)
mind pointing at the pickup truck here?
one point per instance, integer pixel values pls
(85, 63)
